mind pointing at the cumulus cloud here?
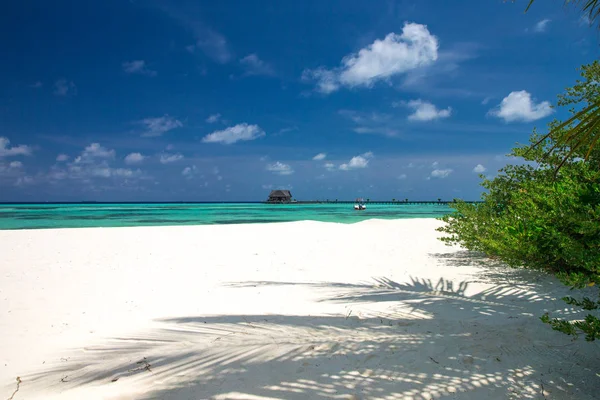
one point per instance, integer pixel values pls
(15, 164)
(138, 67)
(233, 134)
(479, 169)
(255, 66)
(541, 26)
(159, 126)
(441, 173)
(63, 87)
(167, 158)
(320, 156)
(6, 150)
(425, 111)
(357, 162)
(107, 172)
(520, 107)
(213, 118)
(95, 150)
(134, 158)
(92, 162)
(280, 168)
(395, 54)
(329, 166)
(402, 176)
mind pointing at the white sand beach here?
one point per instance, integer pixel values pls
(302, 310)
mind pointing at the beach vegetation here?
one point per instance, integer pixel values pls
(543, 212)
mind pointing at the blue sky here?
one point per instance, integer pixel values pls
(201, 100)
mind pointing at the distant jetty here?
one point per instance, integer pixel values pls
(382, 202)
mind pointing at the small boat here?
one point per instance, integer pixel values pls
(360, 205)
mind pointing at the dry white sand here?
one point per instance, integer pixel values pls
(303, 310)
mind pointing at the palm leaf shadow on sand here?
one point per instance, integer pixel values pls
(431, 340)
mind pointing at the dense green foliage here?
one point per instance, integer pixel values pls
(536, 218)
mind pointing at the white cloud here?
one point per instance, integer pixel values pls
(15, 164)
(371, 123)
(519, 106)
(159, 126)
(93, 162)
(255, 66)
(124, 172)
(62, 87)
(326, 81)
(213, 44)
(280, 168)
(382, 59)
(441, 173)
(134, 158)
(167, 158)
(95, 150)
(213, 118)
(320, 156)
(425, 111)
(233, 134)
(377, 130)
(267, 186)
(36, 85)
(189, 172)
(329, 166)
(6, 150)
(402, 176)
(361, 161)
(434, 164)
(479, 169)
(287, 129)
(138, 67)
(541, 26)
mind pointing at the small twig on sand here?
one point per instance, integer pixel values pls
(145, 367)
(64, 380)
(348, 316)
(17, 389)
(433, 360)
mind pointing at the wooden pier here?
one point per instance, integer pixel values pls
(378, 202)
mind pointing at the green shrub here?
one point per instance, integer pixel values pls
(533, 217)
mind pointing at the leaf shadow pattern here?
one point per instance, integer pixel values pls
(425, 339)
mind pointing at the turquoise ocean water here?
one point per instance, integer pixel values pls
(38, 216)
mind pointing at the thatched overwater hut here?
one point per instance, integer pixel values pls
(280, 196)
